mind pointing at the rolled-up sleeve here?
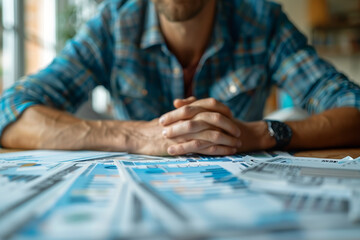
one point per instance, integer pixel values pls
(84, 63)
(313, 84)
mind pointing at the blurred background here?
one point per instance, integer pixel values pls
(33, 31)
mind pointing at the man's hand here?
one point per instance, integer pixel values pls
(201, 126)
(206, 126)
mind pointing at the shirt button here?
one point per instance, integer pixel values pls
(176, 71)
(232, 89)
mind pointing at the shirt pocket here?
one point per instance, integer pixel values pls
(244, 92)
(238, 82)
(247, 71)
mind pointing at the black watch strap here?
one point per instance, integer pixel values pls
(281, 132)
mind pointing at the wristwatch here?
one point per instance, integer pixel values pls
(281, 132)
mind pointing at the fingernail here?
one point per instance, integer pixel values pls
(239, 144)
(162, 120)
(234, 150)
(238, 134)
(164, 133)
(171, 150)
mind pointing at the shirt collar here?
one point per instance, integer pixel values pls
(152, 34)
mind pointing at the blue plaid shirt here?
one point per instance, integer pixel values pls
(253, 47)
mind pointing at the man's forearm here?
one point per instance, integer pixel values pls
(41, 127)
(334, 128)
(338, 127)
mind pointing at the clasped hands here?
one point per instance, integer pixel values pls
(203, 126)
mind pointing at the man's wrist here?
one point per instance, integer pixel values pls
(107, 136)
(257, 137)
(266, 141)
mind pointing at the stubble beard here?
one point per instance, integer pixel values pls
(179, 10)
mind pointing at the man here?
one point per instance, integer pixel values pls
(225, 53)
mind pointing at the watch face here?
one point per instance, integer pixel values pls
(281, 132)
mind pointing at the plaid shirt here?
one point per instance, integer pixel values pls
(253, 46)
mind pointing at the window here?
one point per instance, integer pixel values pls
(40, 34)
(33, 31)
(12, 39)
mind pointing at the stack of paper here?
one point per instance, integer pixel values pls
(98, 195)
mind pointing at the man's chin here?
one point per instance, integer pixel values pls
(180, 12)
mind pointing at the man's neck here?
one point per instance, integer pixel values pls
(188, 40)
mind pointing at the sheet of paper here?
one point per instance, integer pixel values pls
(307, 173)
(327, 183)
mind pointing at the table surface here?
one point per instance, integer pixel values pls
(330, 153)
(322, 153)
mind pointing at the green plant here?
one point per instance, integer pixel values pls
(70, 20)
(67, 24)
